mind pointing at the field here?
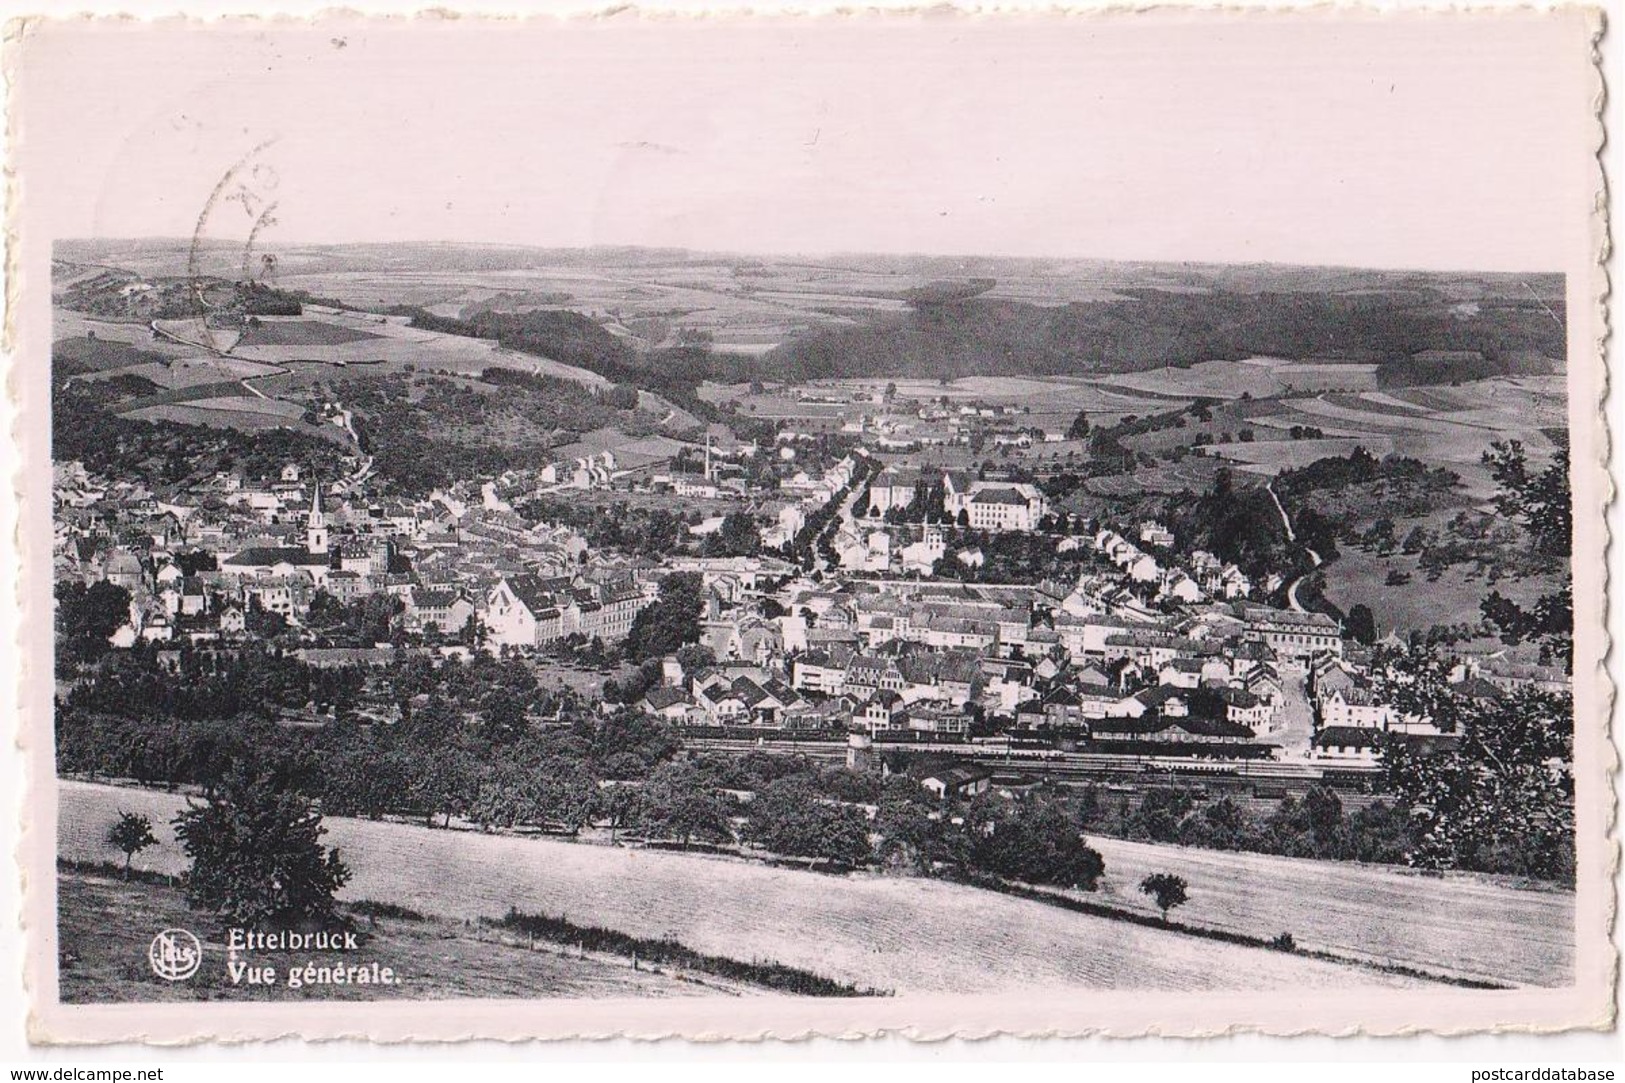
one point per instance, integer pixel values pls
(1210, 379)
(81, 356)
(269, 331)
(104, 926)
(193, 371)
(907, 935)
(1193, 475)
(1037, 394)
(1270, 457)
(1357, 577)
(1462, 925)
(324, 343)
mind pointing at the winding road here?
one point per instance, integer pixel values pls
(1292, 536)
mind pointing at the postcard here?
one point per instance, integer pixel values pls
(765, 526)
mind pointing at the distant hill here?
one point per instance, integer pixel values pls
(866, 315)
(946, 339)
(1432, 367)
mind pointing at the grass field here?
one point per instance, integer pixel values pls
(1210, 379)
(252, 404)
(1465, 926)
(1273, 456)
(1194, 474)
(907, 935)
(192, 371)
(270, 331)
(1357, 577)
(105, 924)
(78, 356)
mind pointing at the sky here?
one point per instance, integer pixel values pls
(1449, 142)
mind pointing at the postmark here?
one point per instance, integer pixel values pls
(242, 203)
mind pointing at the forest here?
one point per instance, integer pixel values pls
(953, 338)
(429, 432)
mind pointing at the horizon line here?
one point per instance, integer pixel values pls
(186, 242)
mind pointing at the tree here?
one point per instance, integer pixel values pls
(909, 834)
(680, 804)
(1500, 799)
(619, 805)
(1324, 810)
(789, 817)
(1541, 500)
(257, 858)
(1167, 890)
(132, 833)
(1362, 624)
(1550, 622)
(1037, 842)
(671, 621)
(739, 536)
(87, 616)
(440, 781)
(1079, 429)
(1161, 812)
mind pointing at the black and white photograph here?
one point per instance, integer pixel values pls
(978, 525)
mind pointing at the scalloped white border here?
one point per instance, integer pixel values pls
(918, 1018)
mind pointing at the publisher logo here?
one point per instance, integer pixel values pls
(175, 955)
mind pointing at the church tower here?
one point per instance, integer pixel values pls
(316, 528)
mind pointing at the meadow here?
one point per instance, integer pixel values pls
(898, 933)
(1357, 577)
(1467, 926)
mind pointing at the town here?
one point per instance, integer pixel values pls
(834, 616)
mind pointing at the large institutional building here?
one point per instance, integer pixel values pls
(532, 611)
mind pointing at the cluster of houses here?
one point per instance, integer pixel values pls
(1351, 716)
(1190, 664)
(1206, 576)
(201, 569)
(932, 660)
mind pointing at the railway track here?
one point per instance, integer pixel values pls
(1080, 766)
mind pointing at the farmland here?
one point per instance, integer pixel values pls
(1273, 456)
(904, 934)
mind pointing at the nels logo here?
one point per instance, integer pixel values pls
(175, 955)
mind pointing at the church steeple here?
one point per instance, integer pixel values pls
(316, 526)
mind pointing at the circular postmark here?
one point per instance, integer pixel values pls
(242, 204)
(175, 955)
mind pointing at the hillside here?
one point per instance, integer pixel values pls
(904, 934)
(949, 338)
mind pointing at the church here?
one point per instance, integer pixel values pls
(314, 560)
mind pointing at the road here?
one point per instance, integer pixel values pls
(1296, 720)
(1292, 536)
(1292, 591)
(842, 516)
